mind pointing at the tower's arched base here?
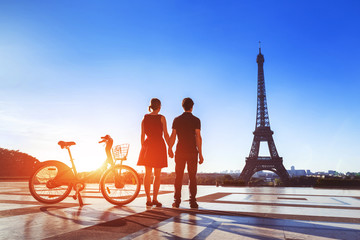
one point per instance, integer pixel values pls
(264, 163)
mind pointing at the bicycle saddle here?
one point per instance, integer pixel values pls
(66, 144)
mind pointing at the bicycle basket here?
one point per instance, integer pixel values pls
(121, 151)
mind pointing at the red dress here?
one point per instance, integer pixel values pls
(153, 152)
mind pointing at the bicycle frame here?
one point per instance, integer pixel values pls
(73, 167)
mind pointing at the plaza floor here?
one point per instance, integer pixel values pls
(224, 213)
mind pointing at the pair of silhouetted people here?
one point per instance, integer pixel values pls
(186, 128)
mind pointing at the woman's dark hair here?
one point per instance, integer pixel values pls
(154, 104)
(187, 104)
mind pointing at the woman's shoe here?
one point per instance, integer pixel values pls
(149, 203)
(194, 204)
(157, 204)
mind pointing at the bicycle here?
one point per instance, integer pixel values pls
(53, 181)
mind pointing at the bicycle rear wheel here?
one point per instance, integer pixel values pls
(120, 185)
(51, 182)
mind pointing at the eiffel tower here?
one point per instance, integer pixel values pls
(263, 133)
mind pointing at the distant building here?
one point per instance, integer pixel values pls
(296, 173)
(320, 173)
(353, 174)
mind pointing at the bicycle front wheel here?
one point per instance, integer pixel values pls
(48, 184)
(120, 185)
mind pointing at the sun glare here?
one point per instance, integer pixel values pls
(88, 157)
(89, 164)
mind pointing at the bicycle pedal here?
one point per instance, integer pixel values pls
(108, 189)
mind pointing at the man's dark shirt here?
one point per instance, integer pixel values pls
(185, 126)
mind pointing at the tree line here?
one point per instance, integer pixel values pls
(14, 163)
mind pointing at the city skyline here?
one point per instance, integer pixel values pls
(76, 71)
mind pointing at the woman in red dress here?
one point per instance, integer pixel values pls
(153, 153)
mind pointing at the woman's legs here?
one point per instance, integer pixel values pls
(147, 179)
(156, 186)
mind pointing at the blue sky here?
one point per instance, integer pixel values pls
(77, 70)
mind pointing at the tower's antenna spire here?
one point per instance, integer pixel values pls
(259, 46)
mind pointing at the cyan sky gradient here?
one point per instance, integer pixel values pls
(77, 70)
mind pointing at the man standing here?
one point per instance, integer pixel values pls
(187, 128)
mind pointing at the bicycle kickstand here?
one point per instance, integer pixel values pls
(77, 195)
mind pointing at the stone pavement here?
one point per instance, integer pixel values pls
(224, 213)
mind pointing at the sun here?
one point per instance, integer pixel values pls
(88, 157)
(89, 164)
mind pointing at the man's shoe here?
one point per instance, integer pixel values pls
(149, 203)
(175, 205)
(194, 205)
(157, 204)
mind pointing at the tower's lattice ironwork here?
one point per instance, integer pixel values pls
(263, 133)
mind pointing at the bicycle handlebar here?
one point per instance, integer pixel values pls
(109, 143)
